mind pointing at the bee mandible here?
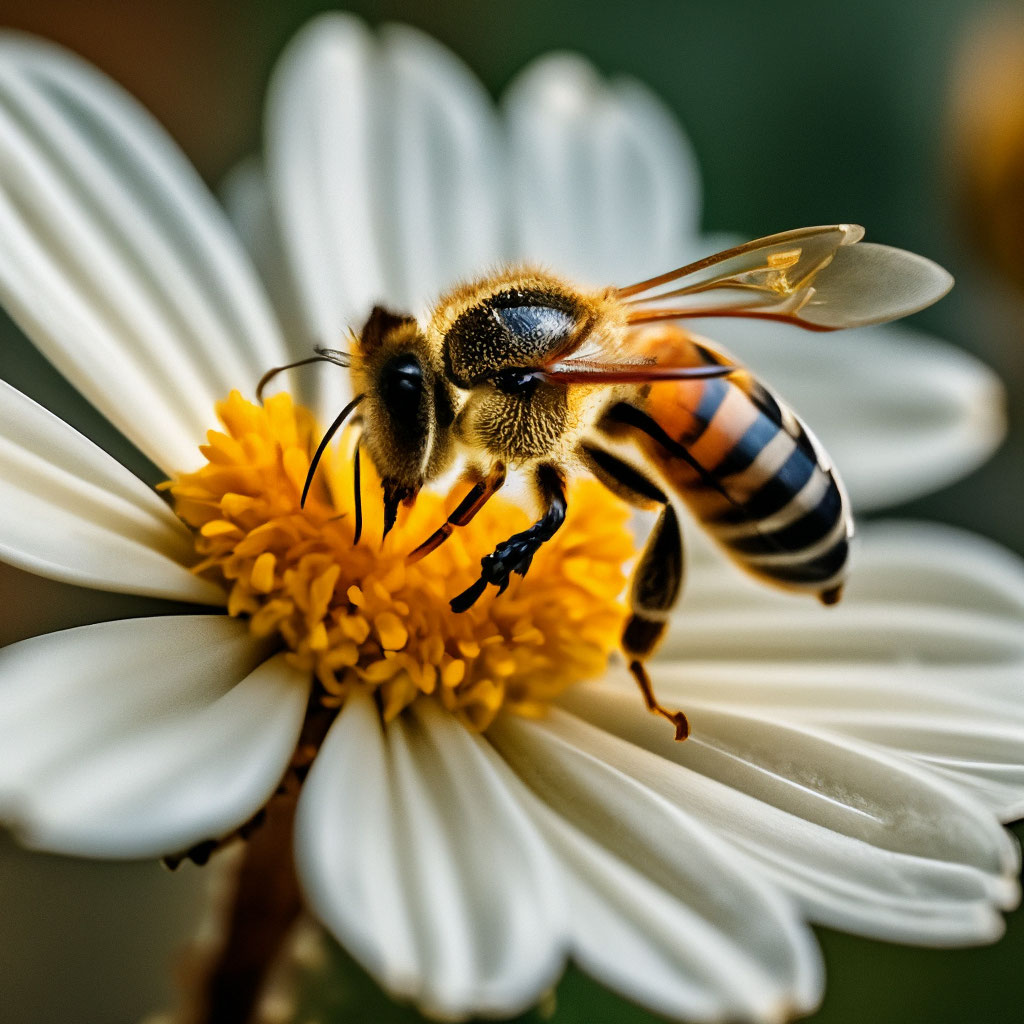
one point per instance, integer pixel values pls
(523, 370)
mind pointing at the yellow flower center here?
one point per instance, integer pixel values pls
(357, 615)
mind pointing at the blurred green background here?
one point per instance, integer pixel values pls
(800, 113)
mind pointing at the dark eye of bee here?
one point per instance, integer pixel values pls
(401, 380)
(517, 380)
(401, 388)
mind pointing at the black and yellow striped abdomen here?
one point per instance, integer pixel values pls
(748, 469)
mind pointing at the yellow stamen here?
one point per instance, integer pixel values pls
(358, 615)
(262, 575)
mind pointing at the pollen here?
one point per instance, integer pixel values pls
(359, 615)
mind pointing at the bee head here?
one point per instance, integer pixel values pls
(408, 408)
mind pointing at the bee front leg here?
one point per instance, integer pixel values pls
(483, 490)
(516, 554)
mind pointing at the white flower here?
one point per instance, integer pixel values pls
(847, 767)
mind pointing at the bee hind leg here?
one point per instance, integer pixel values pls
(516, 553)
(657, 577)
(657, 580)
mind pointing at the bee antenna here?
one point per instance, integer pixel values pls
(358, 495)
(323, 355)
(333, 355)
(325, 441)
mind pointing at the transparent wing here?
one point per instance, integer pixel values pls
(820, 278)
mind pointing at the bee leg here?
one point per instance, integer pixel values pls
(516, 554)
(475, 500)
(657, 578)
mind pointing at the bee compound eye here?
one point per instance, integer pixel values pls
(402, 379)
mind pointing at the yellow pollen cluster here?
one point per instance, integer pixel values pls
(358, 614)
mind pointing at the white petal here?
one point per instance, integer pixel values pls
(383, 170)
(647, 944)
(928, 563)
(246, 198)
(918, 593)
(885, 633)
(921, 596)
(39, 605)
(924, 656)
(446, 198)
(70, 512)
(143, 737)
(864, 841)
(115, 259)
(605, 185)
(318, 123)
(899, 412)
(414, 853)
(977, 745)
(647, 878)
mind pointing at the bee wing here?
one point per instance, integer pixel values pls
(819, 278)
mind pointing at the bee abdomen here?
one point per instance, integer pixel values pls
(754, 477)
(783, 517)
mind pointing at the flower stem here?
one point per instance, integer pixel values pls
(265, 903)
(264, 907)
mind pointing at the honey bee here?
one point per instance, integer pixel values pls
(523, 370)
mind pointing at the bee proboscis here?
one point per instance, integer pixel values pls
(523, 370)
